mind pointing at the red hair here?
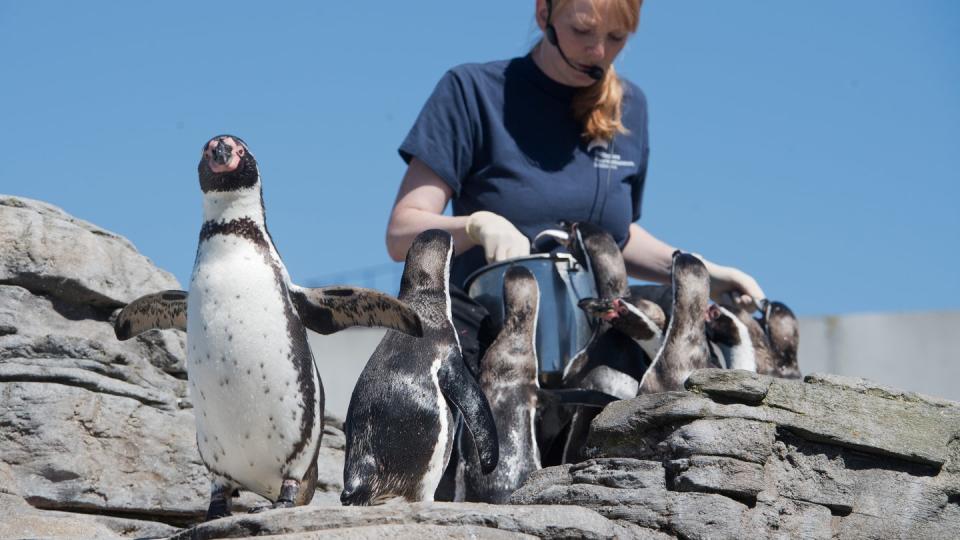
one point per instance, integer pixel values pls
(598, 106)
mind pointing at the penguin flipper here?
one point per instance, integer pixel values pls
(326, 310)
(576, 396)
(461, 389)
(167, 309)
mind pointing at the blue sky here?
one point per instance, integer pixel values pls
(814, 144)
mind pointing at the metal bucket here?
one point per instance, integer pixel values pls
(563, 329)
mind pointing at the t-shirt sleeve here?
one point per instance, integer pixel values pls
(442, 136)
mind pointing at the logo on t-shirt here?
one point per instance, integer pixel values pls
(607, 160)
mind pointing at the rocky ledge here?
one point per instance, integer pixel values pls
(97, 436)
(740, 455)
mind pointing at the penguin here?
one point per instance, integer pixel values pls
(641, 320)
(597, 251)
(765, 358)
(508, 378)
(732, 338)
(612, 362)
(783, 332)
(684, 347)
(400, 425)
(255, 388)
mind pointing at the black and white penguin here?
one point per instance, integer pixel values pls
(641, 320)
(766, 360)
(508, 377)
(621, 358)
(783, 333)
(613, 361)
(732, 338)
(684, 347)
(256, 392)
(399, 426)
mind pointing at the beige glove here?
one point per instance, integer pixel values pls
(499, 238)
(729, 285)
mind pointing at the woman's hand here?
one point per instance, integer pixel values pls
(499, 238)
(731, 285)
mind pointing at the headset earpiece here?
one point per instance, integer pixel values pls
(551, 34)
(550, 31)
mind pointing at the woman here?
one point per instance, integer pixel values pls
(520, 144)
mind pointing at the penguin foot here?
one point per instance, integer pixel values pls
(218, 508)
(258, 509)
(288, 494)
(264, 507)
(283, 504)
(221, 493)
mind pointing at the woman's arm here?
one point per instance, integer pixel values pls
(649, 258)
(419, 206)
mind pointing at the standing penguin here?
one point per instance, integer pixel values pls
(684, 347)
(256, 392)
(508, 377)
(399, 425)
(613, 361)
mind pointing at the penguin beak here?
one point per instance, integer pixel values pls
(222, 153)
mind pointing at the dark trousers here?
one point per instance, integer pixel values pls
(474, 328)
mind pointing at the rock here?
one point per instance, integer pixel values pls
(421, 520)
(73, 448)
(404, 530)
(23, 521)
(635, 491)
(743, 386)
(786, 519)
(732, 437)
(48, 251)
(740, 480)
(916, 431)
(748, 456)
(91, 423)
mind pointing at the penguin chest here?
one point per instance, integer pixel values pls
(251, 373)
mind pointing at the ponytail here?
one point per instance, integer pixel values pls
(598, 108)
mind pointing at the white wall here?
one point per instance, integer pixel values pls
(911, 351)
(340, 358)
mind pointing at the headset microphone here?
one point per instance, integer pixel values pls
(594, 72)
